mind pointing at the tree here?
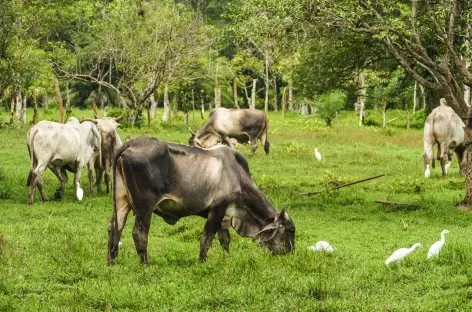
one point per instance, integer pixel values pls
(329, 104)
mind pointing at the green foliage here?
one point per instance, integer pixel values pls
(329, 104)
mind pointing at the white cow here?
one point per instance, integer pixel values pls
(60, 147)
(445, 128)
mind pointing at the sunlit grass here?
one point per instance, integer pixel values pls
(53, 255)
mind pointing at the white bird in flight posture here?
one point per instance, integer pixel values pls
(401, 253)
(435, 248)
(321, 246)
(317, 154)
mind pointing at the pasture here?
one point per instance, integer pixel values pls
(53, 254)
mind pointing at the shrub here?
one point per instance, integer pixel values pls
(329, 104)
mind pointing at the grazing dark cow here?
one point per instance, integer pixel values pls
(245, 125)
(445, 128)
(175, 181)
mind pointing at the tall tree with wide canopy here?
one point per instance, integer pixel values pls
(430, 40)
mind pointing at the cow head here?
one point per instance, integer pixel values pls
(278, 236)
(203, 141)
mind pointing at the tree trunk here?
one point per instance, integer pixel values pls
(12, 106)
(361, 97)
(284, 101)
(18, 106)
(153, 105)
(253, 94)
(276, 96)
(35, 107)
(193, 105)
(202, 103)
(408, 121)
(68, 108)
(235, 92)
(95, 110)
(467, 88)
(175, 104)
(267, 83)
(184, 107)
(423, 97)
(165, 116)
(23, 118)
(415, 100)
(290, 98)
(246, 94)
(384, 114)
(60, 103)
(217, 96)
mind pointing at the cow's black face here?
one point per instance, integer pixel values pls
(279, 236)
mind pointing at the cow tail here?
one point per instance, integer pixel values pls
(115, 214)
(31, 152)
(98, 136)
(264, 140)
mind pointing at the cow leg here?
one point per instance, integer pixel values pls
(116, 225)
(36, 180)
(213, 224)
(98, 182)
(442, 155)
(224, 239)
(61, 175)
(227, 140)
(460, 154)
(140, 233)
(253, 146)
(107, 174)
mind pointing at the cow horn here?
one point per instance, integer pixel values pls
(117, 118)
(191, 132)
(89, 119)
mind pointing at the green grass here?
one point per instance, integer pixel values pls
(53, 254)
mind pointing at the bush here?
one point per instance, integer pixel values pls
(329, 104)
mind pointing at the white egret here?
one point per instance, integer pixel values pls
(317, 154)
(321, 246)
(79, 192)
(427, 172)
(120, 244)
(401, 253)
(447, 167)
(435, 248)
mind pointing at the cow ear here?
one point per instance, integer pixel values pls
(267, 233)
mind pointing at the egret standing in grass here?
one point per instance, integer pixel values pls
(321, 246)
(401, 253)
(317, 154)
(436, 247)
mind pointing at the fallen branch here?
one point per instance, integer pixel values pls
(386, 202)
(343, 185)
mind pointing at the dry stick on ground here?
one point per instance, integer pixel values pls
(343, 185)
(386, 202)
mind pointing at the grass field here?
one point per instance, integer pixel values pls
(53, 254)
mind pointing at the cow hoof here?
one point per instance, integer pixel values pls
(111, 262)
(58, 195)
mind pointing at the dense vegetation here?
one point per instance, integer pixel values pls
(53, 254)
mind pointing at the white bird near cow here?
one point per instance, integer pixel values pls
(321, 246)
(317, 154)
(79, 192)
(401, 253)
(427, 172)
(436, 247)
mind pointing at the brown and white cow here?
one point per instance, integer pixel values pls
(175, 181)
(244, 125)
(61, 148)
(111, 141)
(446, 129)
